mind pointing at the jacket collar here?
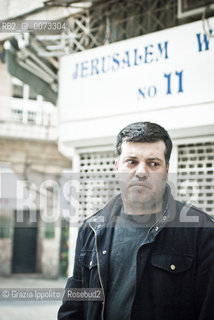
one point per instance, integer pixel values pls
(107, 216)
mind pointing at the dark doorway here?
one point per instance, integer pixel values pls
(25, 242)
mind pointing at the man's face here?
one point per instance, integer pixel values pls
(142, 173)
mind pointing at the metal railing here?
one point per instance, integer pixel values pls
(27, 119)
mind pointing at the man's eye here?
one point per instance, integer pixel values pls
(130, 161)
(154, 164)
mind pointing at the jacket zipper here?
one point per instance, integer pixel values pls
(98, 269)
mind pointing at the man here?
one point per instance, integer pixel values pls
(152, 256)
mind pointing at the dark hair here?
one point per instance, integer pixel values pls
(144, 132)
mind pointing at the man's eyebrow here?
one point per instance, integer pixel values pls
(155, 158)
(148, 159)
(130, 156)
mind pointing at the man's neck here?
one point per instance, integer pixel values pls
(134, 209)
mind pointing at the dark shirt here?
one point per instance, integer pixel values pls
(129, 233)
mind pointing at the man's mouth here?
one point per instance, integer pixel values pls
(140, 185)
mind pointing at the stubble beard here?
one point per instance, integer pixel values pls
(147, 202)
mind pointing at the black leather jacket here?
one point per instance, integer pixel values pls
(175, 266)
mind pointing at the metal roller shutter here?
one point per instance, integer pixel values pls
(97, 181)
(195, 175)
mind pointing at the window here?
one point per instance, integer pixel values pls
(22, 91)
(17, 114)
(32, 94)
(49, 230)
(31, 116)
(5, 227)
(189, 8)
(18, 91)
(187, 5)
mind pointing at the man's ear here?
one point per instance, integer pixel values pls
(167, 168)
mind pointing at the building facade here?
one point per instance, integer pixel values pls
(145, 65)
(30, 168)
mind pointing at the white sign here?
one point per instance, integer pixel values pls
(169, 68)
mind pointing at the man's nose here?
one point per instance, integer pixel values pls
(141, 171)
